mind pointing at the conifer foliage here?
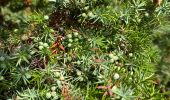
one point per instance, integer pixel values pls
(80, 49)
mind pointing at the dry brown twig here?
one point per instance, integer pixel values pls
(157, 2)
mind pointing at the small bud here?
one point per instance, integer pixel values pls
(111, 60)
(118, 68)
(100, 76)
(115, 67)
(78, 73)
(2, 58)
(57, 74)
(138, 20)
(28, 76)
(52, 0)
(81, 79)
(84, 15)
(1, 78)
(111, 55)
(86, 8)
(15, 30)
(48, 95)
(116, 76)
(53, 88)
(70, 40)
(69, 36)
(76, 33)
(130, 54)
(45, 45)
(78, 62)
(76, 39)
(53, 94)
(41, 43)
(123, 70)
(90, 14)
(62, 78)
(115, 58)
(51, 30)
(55, 98)
(79, 20)
(146, 14)
(59, 84)
(32, 52)
(89, 40)
(46, 17)
(69, 45)
(40, 47)
(24, 37)
(114, 88)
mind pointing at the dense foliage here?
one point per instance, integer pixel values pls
(80, 49)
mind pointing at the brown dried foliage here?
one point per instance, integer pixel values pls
(65, 92)
(57, 45)
(39, 63)
(157, 2)
(27, 2)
